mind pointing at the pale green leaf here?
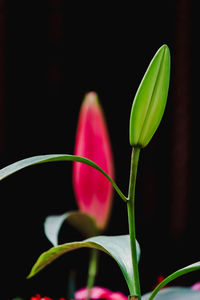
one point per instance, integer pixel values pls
(52, 225)
(175, 293)
(118, 247)
(84, 223)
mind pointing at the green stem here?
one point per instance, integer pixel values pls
(92, 270)
(71, 284)
(131, 220)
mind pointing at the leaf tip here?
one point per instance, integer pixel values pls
(29, 276)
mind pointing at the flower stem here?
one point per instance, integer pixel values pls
(131, 221)
(92, 270)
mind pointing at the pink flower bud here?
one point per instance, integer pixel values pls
(92, 190)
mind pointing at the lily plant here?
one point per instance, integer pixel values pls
(93, 179)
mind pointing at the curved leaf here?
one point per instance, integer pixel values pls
(21, 164)
(52, 225)
(117, 247)
(188, 269)
(82, 222)
(175, 293)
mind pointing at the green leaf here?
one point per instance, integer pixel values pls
(150, 100)
(52, 225)
(118, 247)
(81, 221)
(175, 293)
(21, 164)
(183, 271)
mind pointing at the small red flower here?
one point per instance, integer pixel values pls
(159, 280)
(38, 297)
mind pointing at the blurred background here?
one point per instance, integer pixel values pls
(51, 53)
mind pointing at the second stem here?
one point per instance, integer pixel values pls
(131, 221)
(92, 271)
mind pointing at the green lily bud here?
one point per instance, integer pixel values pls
(150, 100)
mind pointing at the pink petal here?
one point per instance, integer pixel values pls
(92, 190)
(99, 292)
(96, 293)
(196, 286)
(117, 296)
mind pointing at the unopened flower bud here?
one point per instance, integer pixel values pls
(150, 100)
(93, 191)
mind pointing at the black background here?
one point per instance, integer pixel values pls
(53, 53)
